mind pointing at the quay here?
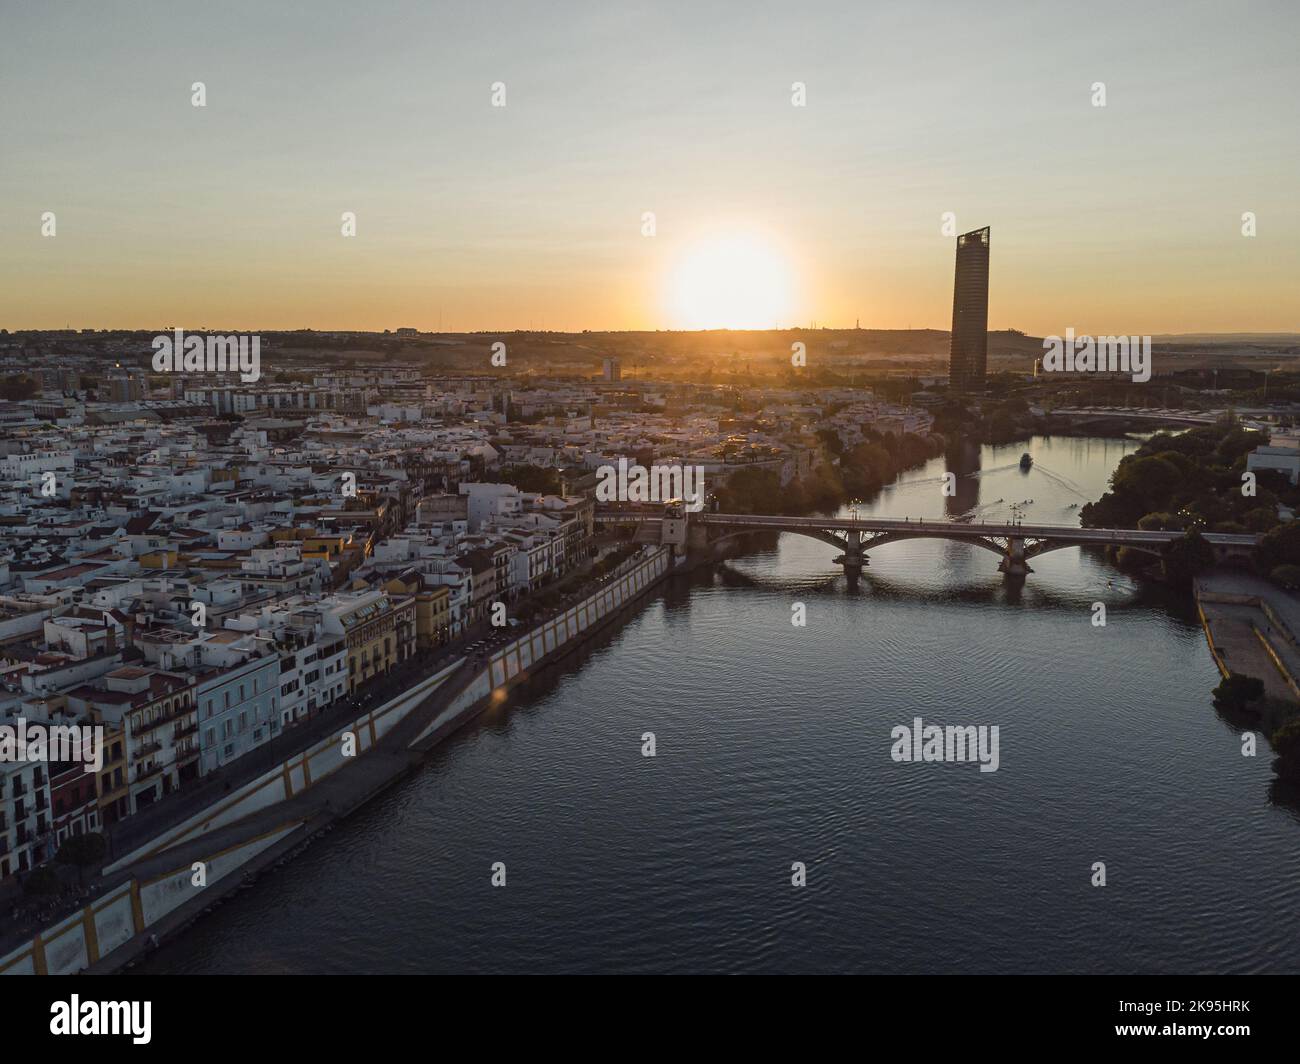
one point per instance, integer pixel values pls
(149, 893)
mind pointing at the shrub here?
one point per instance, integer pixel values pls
(1286, 744)
(1237, 690)
(43, 881)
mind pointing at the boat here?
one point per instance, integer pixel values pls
(1026, 460)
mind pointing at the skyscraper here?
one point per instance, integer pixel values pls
(968, 350)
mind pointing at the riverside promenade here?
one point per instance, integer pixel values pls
(150, 893)
(1252, 627)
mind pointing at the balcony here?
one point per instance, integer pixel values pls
(167, 718)
(146, 772)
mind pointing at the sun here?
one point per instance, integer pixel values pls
(730, 281)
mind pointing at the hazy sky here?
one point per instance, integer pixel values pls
(1117, 219)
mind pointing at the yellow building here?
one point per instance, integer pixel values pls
(166, 558)
(379, 628)
(314, 544)
(432, 611)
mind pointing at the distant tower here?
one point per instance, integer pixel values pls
(612, 369)
(968, 351)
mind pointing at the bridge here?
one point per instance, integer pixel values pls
(1163, 416)
(1013, 541)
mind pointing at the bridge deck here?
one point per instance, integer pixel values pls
(949, 529)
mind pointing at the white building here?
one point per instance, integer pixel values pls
(1282, 454)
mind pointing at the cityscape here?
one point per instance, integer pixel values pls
(616, 531)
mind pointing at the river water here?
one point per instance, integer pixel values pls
(773, 747)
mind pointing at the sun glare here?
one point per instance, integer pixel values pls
(734, 281)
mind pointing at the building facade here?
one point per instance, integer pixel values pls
(968, 350)
(238, 709)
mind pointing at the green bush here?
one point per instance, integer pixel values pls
(42, 882)
(1286, 744)
(1280, 546)
(84, 851)
(1237, 691)
(1187, 557)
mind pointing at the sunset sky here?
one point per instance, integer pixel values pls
(1117, 219)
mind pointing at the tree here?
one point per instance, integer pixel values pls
(1004, 426)
(542, 479)
(1194, 476)
(1279, 546)
(1237, 690)
(84, 851)
(750, 491)
(17, 388)
(1157, 522)
(1187, 557)
(1260, 519)
(1148, 481)
(867, 468)
(42, 882)
(831, 441)
(1286, 744)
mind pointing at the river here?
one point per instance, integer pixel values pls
(773, 747)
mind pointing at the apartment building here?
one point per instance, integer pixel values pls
(377, 627)
(151, 712)
(238, 708)
(313, 672)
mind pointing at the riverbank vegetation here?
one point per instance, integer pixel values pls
(1004, 421)
(840, 475)
(1189, 480)
(1286, 745)
(1195, 482)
